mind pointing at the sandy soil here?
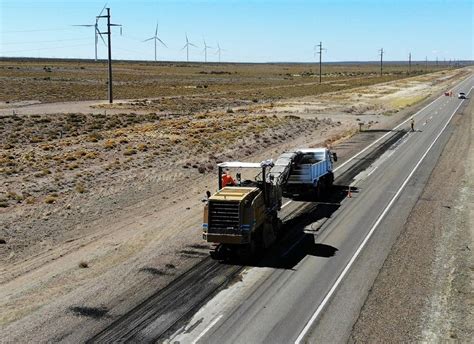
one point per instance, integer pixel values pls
(69, 266)
(431, 263)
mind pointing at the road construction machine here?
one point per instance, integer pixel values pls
(241, 218)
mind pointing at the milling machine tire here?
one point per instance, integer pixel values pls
(246, 254)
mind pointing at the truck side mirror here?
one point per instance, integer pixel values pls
(208, 195)
(334, 156)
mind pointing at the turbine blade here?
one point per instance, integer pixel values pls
(103, 8)
(85, 25)
(156, 30)
(102, 38)
(161, 41)
(193, 45)
(149, 39)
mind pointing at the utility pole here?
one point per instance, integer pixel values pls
(409, 63)
(381, 61)
(320, 45)
(109, 40)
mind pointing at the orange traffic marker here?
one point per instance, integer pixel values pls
(349, 193)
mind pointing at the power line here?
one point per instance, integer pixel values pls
(36, 30)
(49, 48)
(50, 41)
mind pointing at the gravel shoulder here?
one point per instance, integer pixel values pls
(424, 291)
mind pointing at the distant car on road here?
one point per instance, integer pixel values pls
(462, 95)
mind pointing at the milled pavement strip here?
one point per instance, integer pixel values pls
(366, 239)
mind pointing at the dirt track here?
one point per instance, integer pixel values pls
(424, 292)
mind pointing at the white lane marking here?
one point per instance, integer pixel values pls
(368, 236)
(368, 174)
(207, 329)
(284, 205)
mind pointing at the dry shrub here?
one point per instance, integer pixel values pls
(80, 188)
(94, 137)
(129, 151)
(109, 144)
(50, 199)
(30, 200)
(142, 147)
(91, 155)
(70, 157)
(83, 265)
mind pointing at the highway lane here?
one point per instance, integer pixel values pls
(282, 305)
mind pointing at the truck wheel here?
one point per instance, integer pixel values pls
(330, 180)
(318, 191)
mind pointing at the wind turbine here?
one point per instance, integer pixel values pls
(156, 39)
(186, 46)
(219, 51)
(96, 30)
(205, 50)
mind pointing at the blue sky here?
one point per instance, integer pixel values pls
(249, 31)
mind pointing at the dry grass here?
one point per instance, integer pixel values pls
(55, 80)
(84, 152)
(401, 103)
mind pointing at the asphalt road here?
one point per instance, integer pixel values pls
(314, 292)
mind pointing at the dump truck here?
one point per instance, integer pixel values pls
(310, 172)
(241, 218)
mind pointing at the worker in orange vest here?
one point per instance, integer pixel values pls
(227, 179)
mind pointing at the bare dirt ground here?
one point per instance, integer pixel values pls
(431, 265)
(98, 211)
